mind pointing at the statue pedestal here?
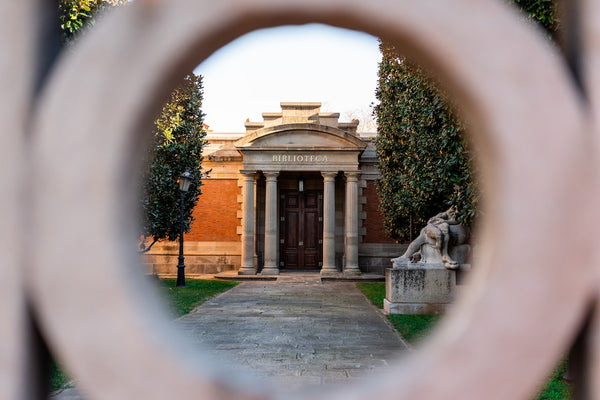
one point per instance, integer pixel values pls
(418, 289)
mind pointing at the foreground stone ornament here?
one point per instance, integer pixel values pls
(443, 240)
(423, 279)
(80, 138)
(419, 289)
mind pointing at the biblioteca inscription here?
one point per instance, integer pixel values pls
(299, 158)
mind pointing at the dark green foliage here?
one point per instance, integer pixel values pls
(58, 377)
(542, 12)
(177, 147)
(177, 141)
(77, 14)
(424, 163)
(422, 156)
(197, 291)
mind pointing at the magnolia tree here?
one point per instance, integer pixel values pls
(424, 161)
(75, 15)
(177, 142)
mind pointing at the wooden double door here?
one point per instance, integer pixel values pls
(301, 230)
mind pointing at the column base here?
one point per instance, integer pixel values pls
(352, 271)
(270, 271)
(247, 271)
(329, 271)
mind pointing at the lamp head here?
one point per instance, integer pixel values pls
(184, 181)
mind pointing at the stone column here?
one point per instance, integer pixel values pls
(271, 241)
(328, 223)
(247, 267)
(351, 234)
(256, 218)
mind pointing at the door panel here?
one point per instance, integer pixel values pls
(301, 230)
(290, 253)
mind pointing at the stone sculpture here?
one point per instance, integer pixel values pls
(442, 241)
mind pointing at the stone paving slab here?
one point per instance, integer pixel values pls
(314, 332)
(293, 332)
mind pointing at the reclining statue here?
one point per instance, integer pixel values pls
(443, 240)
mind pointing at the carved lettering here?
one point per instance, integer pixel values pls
(300, 158)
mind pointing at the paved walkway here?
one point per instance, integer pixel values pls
(296, 331)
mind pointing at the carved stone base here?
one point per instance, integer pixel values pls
(247, 271)
(332, 271)
(352, 271)
(414, 308)
(419, 289)
(270, 271)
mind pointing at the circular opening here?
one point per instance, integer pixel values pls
(518, 192)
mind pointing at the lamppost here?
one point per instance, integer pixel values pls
(184, 185)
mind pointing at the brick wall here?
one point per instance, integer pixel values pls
(216, 212)
(374, 220)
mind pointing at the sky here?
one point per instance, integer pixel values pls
(256, 72)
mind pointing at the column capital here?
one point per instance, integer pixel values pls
(351, 176)
(328, 176)
(271, 175)
(248, 173)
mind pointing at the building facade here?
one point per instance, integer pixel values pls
(295, 192)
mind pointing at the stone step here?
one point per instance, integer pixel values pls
(300, 278)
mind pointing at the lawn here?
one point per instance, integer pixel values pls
(415, 327)
(181, 302)
(196, 292)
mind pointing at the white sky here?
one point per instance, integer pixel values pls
(256, 72)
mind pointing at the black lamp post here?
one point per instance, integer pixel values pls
(184, 185)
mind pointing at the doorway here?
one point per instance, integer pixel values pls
(301, 230)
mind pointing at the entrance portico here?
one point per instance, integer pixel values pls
(295, 192)
(295, 160)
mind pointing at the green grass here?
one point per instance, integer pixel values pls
(375, 292)
(415, 327)
(181, 300)
(557, 388)
(196, 292)
(412, 327)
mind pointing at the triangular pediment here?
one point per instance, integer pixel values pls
(300, 137)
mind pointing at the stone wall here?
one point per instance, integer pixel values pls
(374, 258)
(200, 258)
